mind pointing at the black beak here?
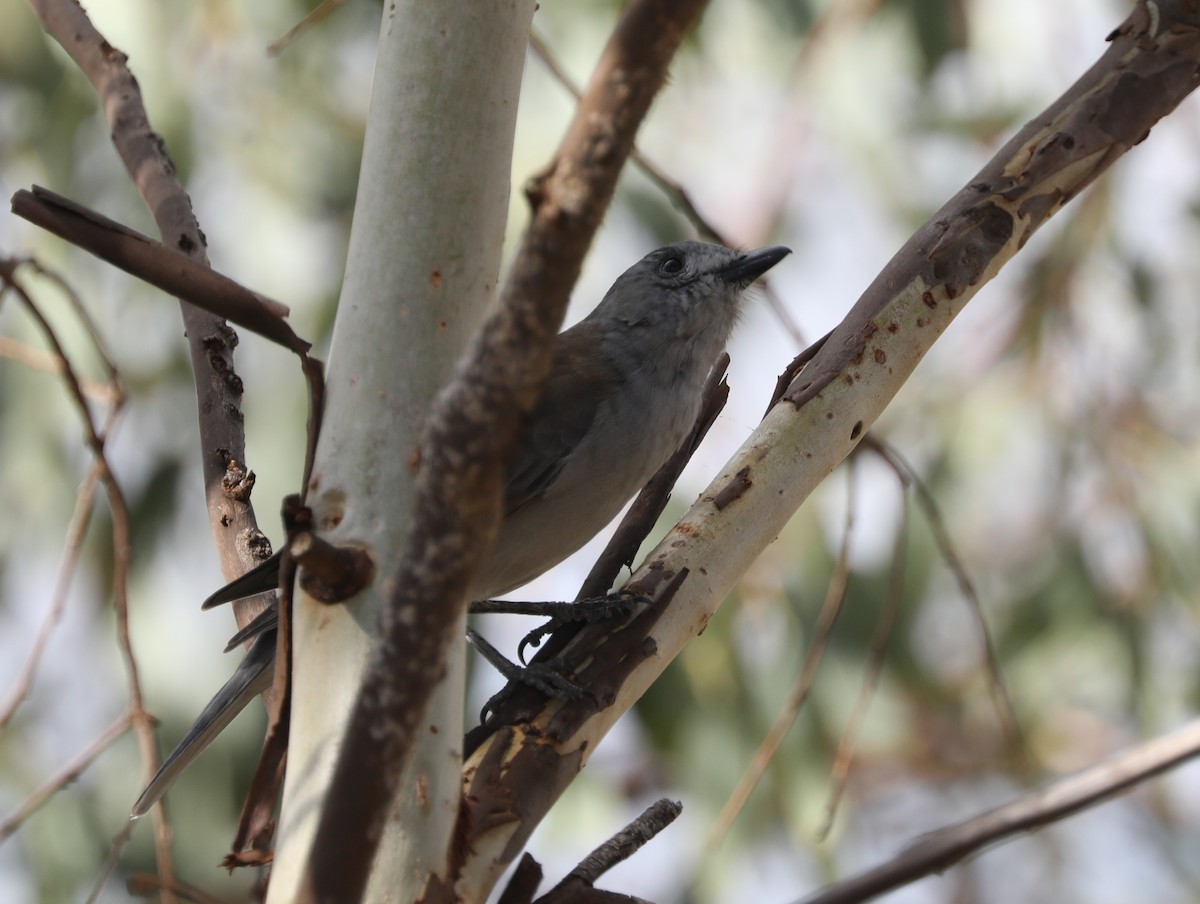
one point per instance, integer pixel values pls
(748, 267)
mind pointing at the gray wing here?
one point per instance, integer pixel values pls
(580, 382)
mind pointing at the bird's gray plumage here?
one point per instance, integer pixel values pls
(623, 392)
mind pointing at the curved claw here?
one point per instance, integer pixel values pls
(592, 609)
(540, 676)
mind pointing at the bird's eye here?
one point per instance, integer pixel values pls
(670, 266)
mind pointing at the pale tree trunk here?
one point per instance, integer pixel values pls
(423, 263)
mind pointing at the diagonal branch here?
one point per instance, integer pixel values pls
(577, 885)
(172, 271)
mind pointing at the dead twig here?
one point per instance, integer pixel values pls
(577, 884)
(111, 392)
(153, 262)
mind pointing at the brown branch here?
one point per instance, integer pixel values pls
(316, 15)
(938, 850)
(654, 496)
(797, 364)
(210, 340)
(628, 841)
(153, 262)
(576, 886)
(113, 394)
(39, 359)
(571, 195)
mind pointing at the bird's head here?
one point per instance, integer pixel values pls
(686, 291)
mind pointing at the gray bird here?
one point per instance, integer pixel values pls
(623, 392)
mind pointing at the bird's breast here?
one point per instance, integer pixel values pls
(632, 435)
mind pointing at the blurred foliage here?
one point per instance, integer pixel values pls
(1055, 425)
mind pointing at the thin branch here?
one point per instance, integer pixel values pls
(879, 642)
(650, 502)
(1001, 697)
(576, 886)
(835, 595)
(316, 15)
(94, 438)
(628, 841)
(938, 850)
(571, 195)
(113, 393)
(84, 316)
(85, 505)
(64, 776)
(40, 359)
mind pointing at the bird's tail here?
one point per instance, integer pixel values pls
(252, 677)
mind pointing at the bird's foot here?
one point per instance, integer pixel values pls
(540, 675)
(590, 610)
